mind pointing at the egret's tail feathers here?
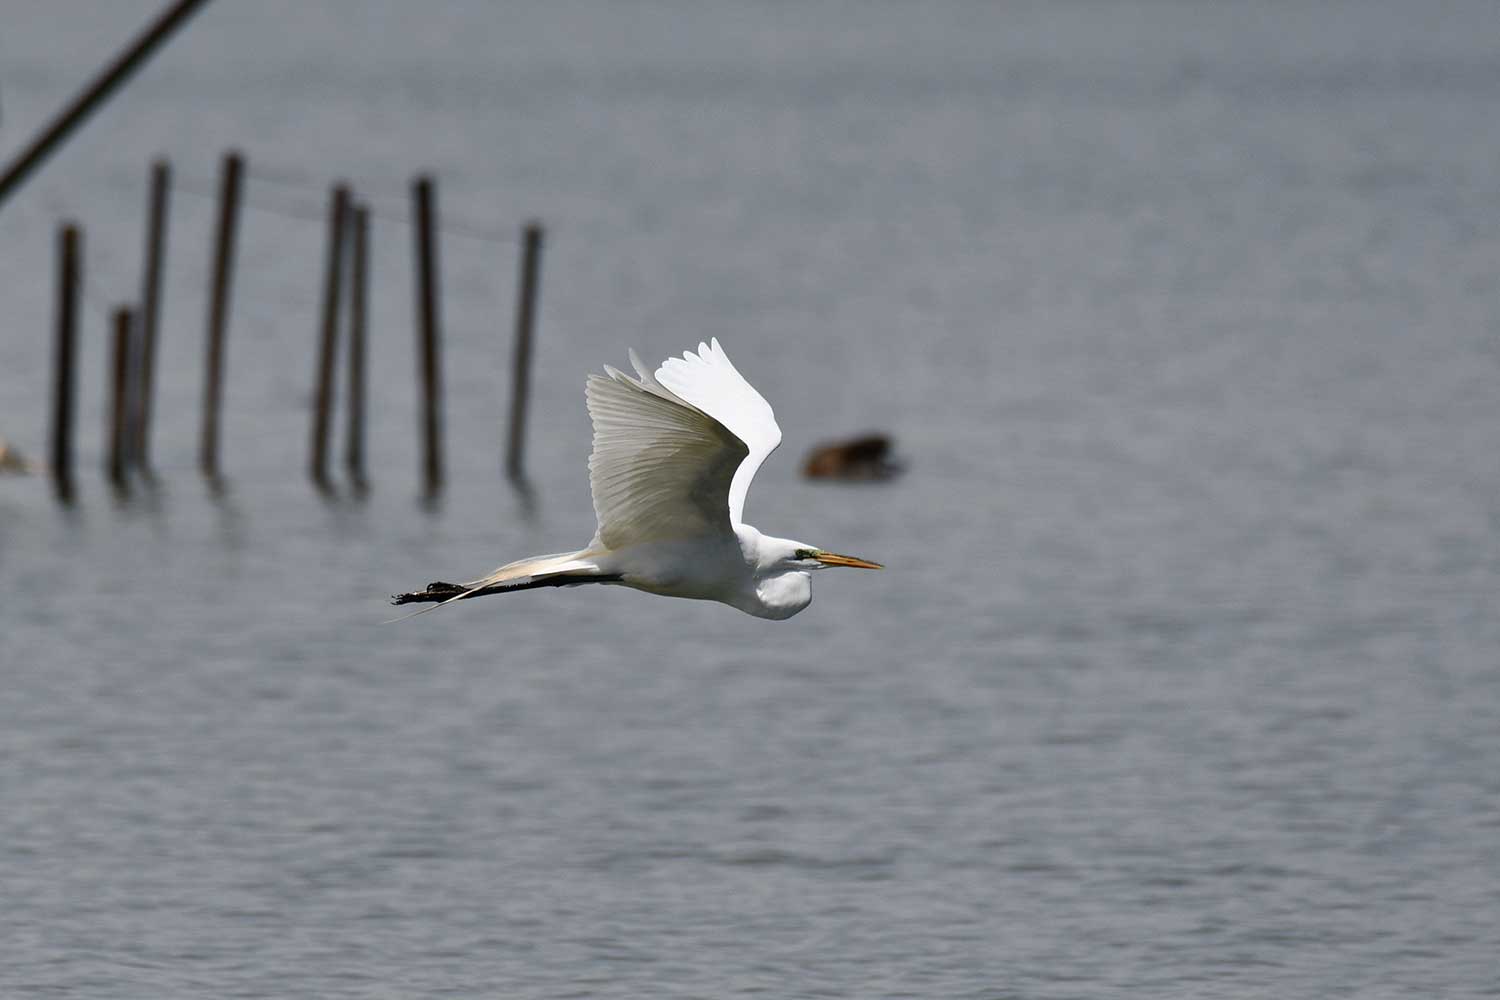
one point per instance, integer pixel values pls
(559, 569)
(535, 567)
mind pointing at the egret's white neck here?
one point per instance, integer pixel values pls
(764, 553)
(774, 588)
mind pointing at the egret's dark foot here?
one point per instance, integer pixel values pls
(436, 591)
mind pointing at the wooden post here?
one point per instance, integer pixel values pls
(116, 461)
(531, 259)
(354, 455)
(69, 241)
(333, 280)
(428, 333)
(218, 311)
(156, 246)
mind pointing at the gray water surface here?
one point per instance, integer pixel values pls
(1183, 677)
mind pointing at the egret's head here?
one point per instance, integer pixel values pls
(783, 572)
(770, 555)
(808, 557)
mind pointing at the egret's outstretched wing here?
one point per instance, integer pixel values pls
(710, 382)
(661, 468)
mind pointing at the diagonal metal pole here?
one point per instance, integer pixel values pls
(104, 85)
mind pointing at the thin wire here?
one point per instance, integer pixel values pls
(300, 212)
(97, 298)
(305, 213)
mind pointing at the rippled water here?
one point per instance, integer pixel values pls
(1182, 681)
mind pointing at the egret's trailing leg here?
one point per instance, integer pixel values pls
(438, 591)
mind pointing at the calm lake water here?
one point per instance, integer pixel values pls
(1183, 677)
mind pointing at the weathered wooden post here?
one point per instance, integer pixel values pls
(69, 252)
(333, 280)
(150, 313)
(531, 259)
(354, 455)
(428, 333)
(218, 311)
(116, 461)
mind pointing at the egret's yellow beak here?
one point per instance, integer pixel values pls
(834, 559)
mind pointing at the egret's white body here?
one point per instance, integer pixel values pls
(674, 453)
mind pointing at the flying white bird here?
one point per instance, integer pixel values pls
(673, 457)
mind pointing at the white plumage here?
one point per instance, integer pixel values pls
(674, 454)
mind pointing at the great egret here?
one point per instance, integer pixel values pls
(673, 457)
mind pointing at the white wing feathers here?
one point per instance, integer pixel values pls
(660, 469)
(674, 453)
(709, 381)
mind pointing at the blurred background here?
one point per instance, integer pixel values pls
(1182, 678)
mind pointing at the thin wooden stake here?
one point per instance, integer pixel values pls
(531, 260)
(428, 333)
(354, 454)
(69, 253)
(156, 248)
(333, 281)
(218, 311)
(116, 461)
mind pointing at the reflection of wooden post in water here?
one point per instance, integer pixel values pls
(428, 332)
(119, 386)
(328, 347)
(354, 455)
(156, 244)
(68, 241)
(218, 312)
(531, 257)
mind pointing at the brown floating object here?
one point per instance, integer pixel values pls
(864, 458)
(12, 461)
